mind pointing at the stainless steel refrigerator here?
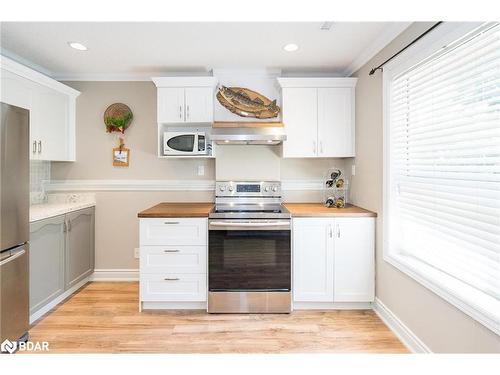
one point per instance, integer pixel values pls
(14, 223)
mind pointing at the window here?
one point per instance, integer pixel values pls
(442, 178)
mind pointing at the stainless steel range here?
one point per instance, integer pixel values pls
(249, 253)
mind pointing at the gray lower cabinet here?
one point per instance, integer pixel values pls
(61, 255)
(79, 246)
(46, 261)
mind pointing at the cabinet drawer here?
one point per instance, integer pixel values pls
(170, 287)
(173, 259)
(173, 231)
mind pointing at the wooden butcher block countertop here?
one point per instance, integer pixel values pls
(319, 210)
(177, 210)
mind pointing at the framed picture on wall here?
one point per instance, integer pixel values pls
(121, 157)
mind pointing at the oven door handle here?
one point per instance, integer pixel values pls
(250, 224)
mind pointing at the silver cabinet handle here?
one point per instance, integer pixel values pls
(314, 147)
(65, 227)
(34, 147)
(39, 147)
(171, 251)
(171, 279)
(338, 231)
(171, 222)
(187, 112)
(330, 231)
(180, 112)
(69, 226)
(320, 147)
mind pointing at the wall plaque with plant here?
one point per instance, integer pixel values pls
(117, 118)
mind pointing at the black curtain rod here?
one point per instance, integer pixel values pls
(401, 50)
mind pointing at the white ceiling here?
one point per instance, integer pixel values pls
(126, 50)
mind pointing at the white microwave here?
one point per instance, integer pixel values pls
(184, 143)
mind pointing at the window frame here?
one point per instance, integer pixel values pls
(469, 300)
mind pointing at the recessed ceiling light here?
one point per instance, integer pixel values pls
(78, 46)
(291, 47)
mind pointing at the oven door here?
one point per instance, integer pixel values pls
(249, 255)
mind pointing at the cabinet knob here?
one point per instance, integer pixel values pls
(39, 147)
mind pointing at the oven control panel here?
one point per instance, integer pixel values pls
(248, 188)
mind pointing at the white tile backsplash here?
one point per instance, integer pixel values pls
(39, 172)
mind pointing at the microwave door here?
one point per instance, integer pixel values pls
(181, 144)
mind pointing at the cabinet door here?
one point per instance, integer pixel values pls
(46, 261)
(16, 90)
(354, 260)
(313, 260)
(335, 122)
(171, 105)
(199, 104)
(79, 246)
(50, 118)
(300, 118)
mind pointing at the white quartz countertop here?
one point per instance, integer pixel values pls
(60, 204)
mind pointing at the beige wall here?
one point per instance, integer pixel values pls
(441, 326)
(116, 213)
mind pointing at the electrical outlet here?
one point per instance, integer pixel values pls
(353, 170)
(136, 253)
(201, 170)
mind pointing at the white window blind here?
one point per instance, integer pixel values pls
(444, 157)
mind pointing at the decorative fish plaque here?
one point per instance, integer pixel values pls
(247, 103)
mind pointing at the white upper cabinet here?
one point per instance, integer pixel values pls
(300, 119)
(52, 110)
(185, 99)
(318, 115)
(199, 104)
(333, 259)
(170, 104)
(335, 122)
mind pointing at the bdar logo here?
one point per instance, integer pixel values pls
(8, 346)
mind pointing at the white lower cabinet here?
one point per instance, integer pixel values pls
(333, 260)
(312, 260)
(173, 263)
(354, 264)
(172, 287)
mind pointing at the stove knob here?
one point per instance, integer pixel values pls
(222, 188)
(266, 189)
(230, 188)
(275, 189)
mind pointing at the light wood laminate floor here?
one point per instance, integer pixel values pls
(104, 317)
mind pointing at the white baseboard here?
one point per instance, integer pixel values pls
(127, 274)
(405, 334)
(332, 306)
(37, 315)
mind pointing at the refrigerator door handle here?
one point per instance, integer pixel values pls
(12, 257)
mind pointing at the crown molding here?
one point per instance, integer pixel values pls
(23, 71)
(317, 81)
(388, 35)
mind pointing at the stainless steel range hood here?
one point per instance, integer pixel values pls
(262, 135)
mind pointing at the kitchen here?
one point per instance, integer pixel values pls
(187, 202)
